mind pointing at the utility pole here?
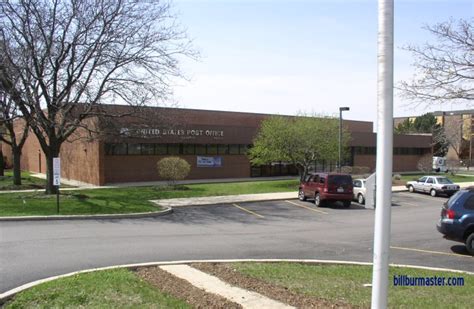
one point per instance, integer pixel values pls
(384, 155)
(339, 163)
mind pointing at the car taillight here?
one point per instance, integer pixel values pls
(450, 214)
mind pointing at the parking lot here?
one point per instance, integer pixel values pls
(414, 238)
(284, 229)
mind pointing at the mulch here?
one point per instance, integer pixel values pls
(226, 273)
(198, 298)
(184, 290)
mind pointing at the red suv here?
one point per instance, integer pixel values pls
(327, 187)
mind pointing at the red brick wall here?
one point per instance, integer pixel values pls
(143, 168)
(79, 159)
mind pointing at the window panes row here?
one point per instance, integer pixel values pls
(174, 149)
(396, 151)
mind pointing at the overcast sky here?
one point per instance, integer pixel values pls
(285, 57)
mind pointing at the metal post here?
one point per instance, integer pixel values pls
(57, 200)
(340, 138)
(339, 162)
(384, 155)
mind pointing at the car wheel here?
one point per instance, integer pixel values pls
(411, 189)
(360, 199)
(433, 192)
(317, 200)
(470, 244)
(301, 195)
(346, 204)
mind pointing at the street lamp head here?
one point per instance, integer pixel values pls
(342, 109)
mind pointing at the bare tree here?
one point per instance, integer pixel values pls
(2, 162)
(73, 56)
(444, 70)
(425, 164)
(452, 136)
(16, 132)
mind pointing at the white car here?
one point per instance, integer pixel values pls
(359, 190)
(434, 185)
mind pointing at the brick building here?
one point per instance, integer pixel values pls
(214, 143)
(458, 126)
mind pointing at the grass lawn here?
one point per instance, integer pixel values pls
(126, 200)
(455, 178)
(345, 283)
(28, 182)
(119, 288)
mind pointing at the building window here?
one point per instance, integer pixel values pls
(211, 149)
(161, 149)
(223, 149)
(116, 149)
(188, 149)
(234, 149)
(134, 149)
(173, 149)
(200, 149)
(243, 149)
(148, 149)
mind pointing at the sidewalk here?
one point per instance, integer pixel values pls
(228, 199)
(212, 284)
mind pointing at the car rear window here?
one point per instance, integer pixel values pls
(443, 181)
(454, 198)
(339, 180)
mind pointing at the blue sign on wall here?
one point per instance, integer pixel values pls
(209, 161)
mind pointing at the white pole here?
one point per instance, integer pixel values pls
(384, 155)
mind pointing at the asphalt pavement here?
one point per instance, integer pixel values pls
(274, 229)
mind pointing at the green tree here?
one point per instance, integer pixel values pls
(298, 140)
(426, 123)
(405, 127)
(173, 169)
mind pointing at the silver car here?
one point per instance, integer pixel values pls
(359, 190)
(434, 185)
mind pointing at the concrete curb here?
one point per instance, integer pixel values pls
(163, 212)
(10, 293)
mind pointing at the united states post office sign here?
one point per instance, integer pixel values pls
(209, 161)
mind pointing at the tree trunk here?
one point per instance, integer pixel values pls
(16, 154)
(52, 153)
(303, 171)
(2, 163)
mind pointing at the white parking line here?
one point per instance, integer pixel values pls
(420, 195)
(306, 207)
(249, 211)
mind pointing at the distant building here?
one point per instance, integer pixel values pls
(459, 126)
(214, 143)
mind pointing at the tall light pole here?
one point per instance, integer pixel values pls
(341, 109)
(384, 155)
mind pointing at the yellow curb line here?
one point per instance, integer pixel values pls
(428, 251)
(249, 211)
(312, 209)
